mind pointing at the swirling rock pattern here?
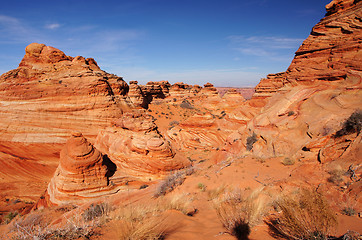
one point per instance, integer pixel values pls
(134, 144)
(332, 50)
(51, 94)
(83, 173)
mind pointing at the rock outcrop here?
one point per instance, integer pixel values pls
(134, 144)
(270, 85)
(321, 88)
(331, 51)
(137, 96)
(83, 173)
(51, 94)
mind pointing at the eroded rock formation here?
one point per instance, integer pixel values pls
(83, 173)
(331, 51)
(319, 91)
(134, 144)
(51, 94)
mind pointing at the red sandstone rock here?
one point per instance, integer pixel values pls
(137, 148)
(328, 54)
(82, 174)
(51, 94)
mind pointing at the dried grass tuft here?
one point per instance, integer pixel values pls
(238, 212)
(306, 216)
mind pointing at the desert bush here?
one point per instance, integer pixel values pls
(351, 125)
(75, 228)
(140, 222)
(250, 141)
(186, 104)
(290, 113)
(288, 161)
(173, 180)
(170, 183)
(95, 211)
(351, 235)
(201, 186)
(349, 211)
(147, 221)
(179, 202)
(306, 216)
(239, 213)
(336, 175)
(174, 123)
(216, 192)
(10, 216)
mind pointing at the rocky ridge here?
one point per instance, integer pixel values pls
(332, 50)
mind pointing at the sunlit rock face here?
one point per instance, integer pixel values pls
(50, 94)
(309, 102)
(140, 152)
(331, 51)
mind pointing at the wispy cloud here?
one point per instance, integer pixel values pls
(264, 46)
(219, 77)
(14, 30)
(52, 26)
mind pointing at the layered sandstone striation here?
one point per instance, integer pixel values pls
(332, 50)
(320, 90)
(83, 173)
(140, 152)
(50, 94)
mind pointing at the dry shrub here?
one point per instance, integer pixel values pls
(179, 202)
(307, 216)
(351, 235)
(349, 204)
(250, 141)
(140, 222)
(353, 124)
(74, 228)
(336, 175)
(239, 213)
(173, 180)
(216, 192)
(288, 161)
(186, 105)
(147, 222)
(96, 211)
(10, 216)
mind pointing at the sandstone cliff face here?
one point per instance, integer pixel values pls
(51, 94)
(331, 51)
(320, 90)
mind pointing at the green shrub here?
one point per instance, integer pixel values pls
(351, 125)
(10, 216)
(288, 161)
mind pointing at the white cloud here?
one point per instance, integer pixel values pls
(264, 46)
(52, 26)
(14, 30)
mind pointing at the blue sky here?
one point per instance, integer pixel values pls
(225, 42)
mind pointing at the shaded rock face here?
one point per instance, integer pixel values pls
(83, 173)
(328, 54)
(134, 144)
(51, 94)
